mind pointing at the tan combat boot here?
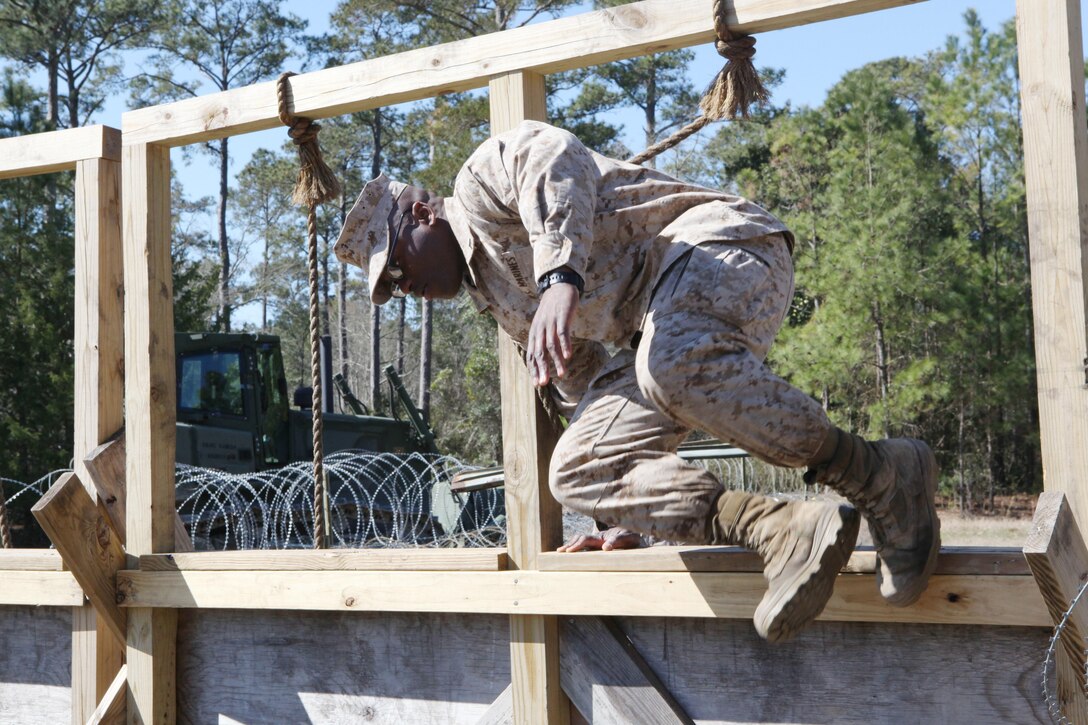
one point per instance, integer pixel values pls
(803, 545)
(893, 483)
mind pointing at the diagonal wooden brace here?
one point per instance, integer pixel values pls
(606, 678)
(1058, 559)
(106, 465)
(112, 707)
(89, 546)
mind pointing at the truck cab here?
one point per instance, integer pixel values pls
(234, 414)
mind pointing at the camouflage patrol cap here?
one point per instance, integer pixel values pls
(364, 240)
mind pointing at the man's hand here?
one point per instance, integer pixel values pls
(549, 343)
(614, 538)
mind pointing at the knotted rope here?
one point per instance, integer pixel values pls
(733, 91)
(316, 184)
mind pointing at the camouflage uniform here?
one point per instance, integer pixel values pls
(688, 283)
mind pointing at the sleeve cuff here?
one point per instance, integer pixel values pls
(554, 250)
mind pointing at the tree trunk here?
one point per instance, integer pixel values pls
(425, 325)
(375, 357)
(651, 115)
(323, 283)
(400, 335)
(223, 323)
(342, 316)
(882, 373)
(52, 119)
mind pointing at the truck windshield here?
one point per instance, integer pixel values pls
(211, 382)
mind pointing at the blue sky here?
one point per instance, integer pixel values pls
(815, 58)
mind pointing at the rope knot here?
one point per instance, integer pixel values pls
(737, 49)
(316, 182)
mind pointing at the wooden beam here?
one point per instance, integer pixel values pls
(149, 419)
(111, 709)
(1004, 600)
(1051, 57)
(90, 549)
(534, 521)
(953, 560)
(578, 41)
(30, 560)
(609, 681)
(501, 711)
(105, 466)
(45, 153)
(334, 560)
(40, 588)
(1058, 558)
(99, 371)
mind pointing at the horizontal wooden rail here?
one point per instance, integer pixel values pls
(578, 41)
(994, 600)
(966, 560)
(40, 588)
(310, 560)
(45, 153)
(30, 560)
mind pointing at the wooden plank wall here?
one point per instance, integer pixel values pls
(295, 667)
(280, 666)
(35, 665)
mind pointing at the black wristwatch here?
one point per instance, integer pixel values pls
(560, 276)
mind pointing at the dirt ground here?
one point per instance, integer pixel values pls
(1007, 525)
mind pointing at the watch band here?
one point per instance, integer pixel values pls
(561, 277)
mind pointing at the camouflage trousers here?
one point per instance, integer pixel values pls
(699, 364)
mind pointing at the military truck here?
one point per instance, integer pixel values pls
(233, 411)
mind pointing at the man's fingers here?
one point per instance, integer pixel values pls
(555, 353)
(580, 542)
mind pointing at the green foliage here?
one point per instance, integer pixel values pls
(912, 313)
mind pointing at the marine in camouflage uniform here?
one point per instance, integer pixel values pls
(683, 291)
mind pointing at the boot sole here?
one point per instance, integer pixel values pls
(907, 597)
(781, 616)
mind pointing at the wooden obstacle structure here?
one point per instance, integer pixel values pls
(521, 634)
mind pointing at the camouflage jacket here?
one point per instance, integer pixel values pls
(534, 199)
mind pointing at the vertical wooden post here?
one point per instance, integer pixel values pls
(99, 393)
(1056, 174)
(534, 519)
(149, 419)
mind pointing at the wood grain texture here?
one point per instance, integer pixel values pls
(29, 560)
(608, 680)
(111, 709)
(40, 588)
(52, 151)
(847, 673)
(1051, 56)
(35, 679)
(1058, 558)
(534, 520)
(98, 346)
(331, 560)
(151, 660)
(1006, 600)
(501, 711)
(150, 394)
(99, 309)
(90, 549)
(296, 667)
(574, 42)
(150, 418)
(952, 560)
(106, 467)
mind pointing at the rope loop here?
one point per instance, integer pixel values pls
(732, 92)
(737, 49)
